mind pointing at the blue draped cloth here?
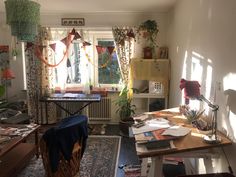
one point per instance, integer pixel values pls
(61, 139)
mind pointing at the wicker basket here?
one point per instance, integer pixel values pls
(65, 168)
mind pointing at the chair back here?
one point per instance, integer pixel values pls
(62, 147)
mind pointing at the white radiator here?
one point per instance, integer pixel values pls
(99, 111)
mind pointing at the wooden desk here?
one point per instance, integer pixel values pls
(15, 153)
(58, 98)
(193, 142)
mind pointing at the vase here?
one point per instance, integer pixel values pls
(147, 53)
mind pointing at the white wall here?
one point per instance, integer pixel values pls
(205, 30)
(109, 19)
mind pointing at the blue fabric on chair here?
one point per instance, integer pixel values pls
(61, 139)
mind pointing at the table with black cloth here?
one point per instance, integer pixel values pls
(61, 139)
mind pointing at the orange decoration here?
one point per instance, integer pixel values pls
(8, 74)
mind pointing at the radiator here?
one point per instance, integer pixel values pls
(99, 111)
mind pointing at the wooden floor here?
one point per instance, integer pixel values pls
(127, 154)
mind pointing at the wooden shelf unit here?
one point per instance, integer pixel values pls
(143, 73)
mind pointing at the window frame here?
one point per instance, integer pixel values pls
(101, 35)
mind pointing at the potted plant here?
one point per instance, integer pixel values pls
(125, 110)
(14, 53)
(148, 30)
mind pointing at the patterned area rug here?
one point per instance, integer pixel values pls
(100, 159)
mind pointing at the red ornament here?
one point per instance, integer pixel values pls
(110, 49)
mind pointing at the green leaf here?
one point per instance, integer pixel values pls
(2, 90)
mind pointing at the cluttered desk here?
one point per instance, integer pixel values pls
(167, 133)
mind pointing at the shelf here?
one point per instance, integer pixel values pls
(152, 76)
(147, 95)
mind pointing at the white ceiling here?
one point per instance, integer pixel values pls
(83, 6)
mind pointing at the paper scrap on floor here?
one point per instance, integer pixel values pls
(152, 125)
(177, 131)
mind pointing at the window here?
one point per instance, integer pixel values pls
(88, 64)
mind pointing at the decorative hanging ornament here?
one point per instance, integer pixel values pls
(131, 34)
(110, 49)
(99, 49)
(85, 43)
(24, 17)
(29, 45)
(53, 46)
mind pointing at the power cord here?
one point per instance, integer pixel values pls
(229, 166)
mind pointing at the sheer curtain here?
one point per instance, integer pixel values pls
(53, 62)
(38, 78)
(125, 40)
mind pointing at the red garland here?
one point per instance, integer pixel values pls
(38, 53)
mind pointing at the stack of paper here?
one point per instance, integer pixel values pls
(152, 125)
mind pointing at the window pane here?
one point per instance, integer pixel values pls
(108, 71)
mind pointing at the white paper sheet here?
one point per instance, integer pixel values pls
(152, 125)
(177, 131)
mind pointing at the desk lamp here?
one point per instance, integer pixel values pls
(192, 91)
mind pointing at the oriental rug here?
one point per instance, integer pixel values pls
(100, 159)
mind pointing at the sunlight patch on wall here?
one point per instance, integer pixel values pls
(208, 86)
(197, 55)
(196, 70)
(230, 90)
(232, 121)
(184, 74)
(184, 71)
(196, 75)
(229, 82)
(209, 14)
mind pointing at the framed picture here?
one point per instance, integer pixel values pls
(72, 22)
(163, 53)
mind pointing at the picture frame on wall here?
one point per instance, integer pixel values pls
(72, 22)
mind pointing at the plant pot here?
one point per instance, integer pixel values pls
(124, 127)
(147, 53)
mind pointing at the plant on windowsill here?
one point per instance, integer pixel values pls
(125, 110)
(14, 53)
(149, 30)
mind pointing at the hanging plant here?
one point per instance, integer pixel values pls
(149, 31)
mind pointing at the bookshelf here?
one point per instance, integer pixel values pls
(151, 82)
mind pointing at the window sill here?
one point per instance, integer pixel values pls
(96, 90)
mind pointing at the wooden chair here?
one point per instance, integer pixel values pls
(65, 168)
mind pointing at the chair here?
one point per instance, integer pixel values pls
(65, 168)
(62, 147)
